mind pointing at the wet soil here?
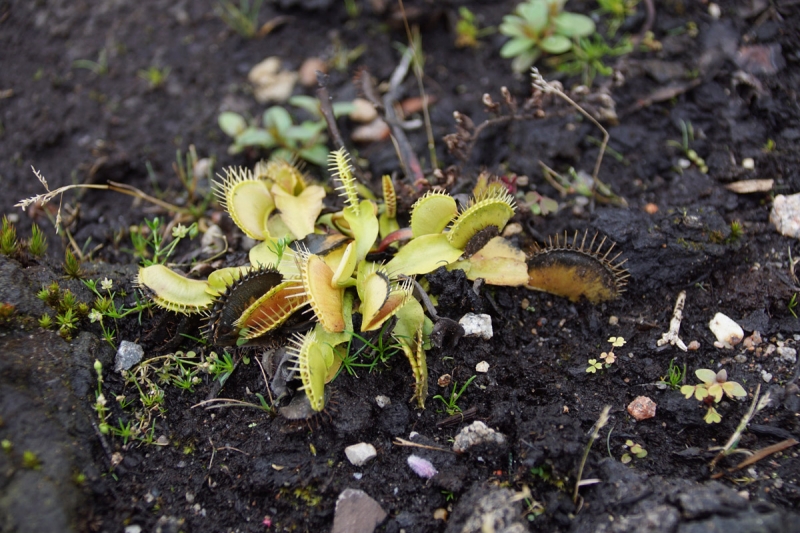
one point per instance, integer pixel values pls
(734, 79)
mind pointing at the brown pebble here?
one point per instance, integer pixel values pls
(642, 408)
(444, 380)
(651, 209)
(308, 71)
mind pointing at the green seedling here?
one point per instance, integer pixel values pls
(792, 305)
(675, 375)
(31, 461)
(243, 19)
(541, 26)
(687, 137)
(615, 12)
(279, 134)
(606, 358)
(149, 241)
(154, 76)
(106, 308)
(468, 32)
(195, 175)
(587, 58)
(636, 450)
(8, 238)
(72, 266)
(6, 446)
(37, 246)
(451, 403)
(711, 389)
(99, 67)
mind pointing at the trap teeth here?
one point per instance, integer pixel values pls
(576, 269)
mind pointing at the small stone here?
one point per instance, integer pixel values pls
(785, 215)
(651, 209)
(360, 454)
(515, 228)
(766, 376)
(474, 434)
(133, 528)
(308, 71)
(377, 130)
(271, 84)
(440, 514)
(477, 325)
(363, 111)
(356, 512)
(482, 367)
(444, 380)
(642, 408)
(714, 11)
(613, 320)
(382, 401)
(727, 332)
(128, 354)
(748, 163)
(741, 358)
(693, 346)
(787, 354)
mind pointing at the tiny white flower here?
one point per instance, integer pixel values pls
(95, 316)
(101, 400)
(180, 231)
(106, 284)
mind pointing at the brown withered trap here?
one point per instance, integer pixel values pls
(574, 268)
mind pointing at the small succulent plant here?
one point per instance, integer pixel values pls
(541, 26)
(711, 389)
(322, 262)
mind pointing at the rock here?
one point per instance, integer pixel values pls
(308, 71)
(382, 401)
(642, 408)
(785, 215)
(477, 325)
(360, 454)
(356, 512)
(128, 354)
(486, 508)
(271, 84)
(705, 500)
(787, 354)
(482, 367)
(727, 332)
(363, 111)
(475, 434)
(377, 130)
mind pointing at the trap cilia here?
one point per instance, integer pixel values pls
(323, 265)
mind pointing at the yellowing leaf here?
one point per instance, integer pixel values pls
(299, 213)
(423, 255)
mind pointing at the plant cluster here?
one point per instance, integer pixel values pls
(606, 358)
(69, 310)
(280, 135)
(468, 32)
(712, 386)
(634, 450)
(106, 308)
(541, 26)
(323, 262)
(10, 246)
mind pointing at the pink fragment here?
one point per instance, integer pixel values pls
(642, 408)
(422, 467)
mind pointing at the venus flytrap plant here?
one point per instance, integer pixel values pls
(328, 270)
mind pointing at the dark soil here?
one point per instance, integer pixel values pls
(238, 469)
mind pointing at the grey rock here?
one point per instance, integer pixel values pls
(128, 354)
(477, 325)
(486, 508)
(711, 499)
(356, 512)
(474, 434)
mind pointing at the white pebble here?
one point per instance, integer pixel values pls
(766, 376)
(785, 215)
(714, 11)
(422, 467)
(748, 163)
(382, 401)
(482, 367)
(359, 454)
(728, 332)
(477, 325)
